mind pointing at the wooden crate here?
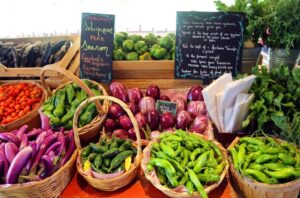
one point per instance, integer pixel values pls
(143, 73)
(70, 61)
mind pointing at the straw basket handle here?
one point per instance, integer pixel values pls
(112, 99)
(69, 75)
(233, 143)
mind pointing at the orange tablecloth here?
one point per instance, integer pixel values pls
(139, 188)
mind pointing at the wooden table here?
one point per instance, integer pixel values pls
(140, 187)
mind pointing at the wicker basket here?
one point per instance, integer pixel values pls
(90, 130)
(114, 183)
(250, 188)
(32, 119)
(171, 193)
(47, 188)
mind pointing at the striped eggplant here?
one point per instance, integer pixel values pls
(11, 151)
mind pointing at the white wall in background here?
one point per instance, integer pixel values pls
(20, 18)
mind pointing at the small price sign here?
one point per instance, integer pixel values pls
(163, 106)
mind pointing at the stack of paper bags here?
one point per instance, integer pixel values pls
(227, 101)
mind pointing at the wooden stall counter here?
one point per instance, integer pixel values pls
(139, 188)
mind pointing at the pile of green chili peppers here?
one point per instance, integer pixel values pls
(266, 159)
(182, 158)
(61, 106)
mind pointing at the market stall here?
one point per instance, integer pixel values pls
(118, 114)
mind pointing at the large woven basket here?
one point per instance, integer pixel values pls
(90, 130)
(47, 188)
(171, 193)
(250, 188)
(32, 119)
(114, 183)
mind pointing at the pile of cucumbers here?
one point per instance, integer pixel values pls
(182, 158)
(108, 156)
(61, 106)
(266, 159)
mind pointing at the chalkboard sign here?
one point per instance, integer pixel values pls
(97, 37)
(163, 106)
(208, 44)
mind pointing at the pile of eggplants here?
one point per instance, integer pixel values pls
(191, 112)
(35, 54)
(33, 155)
(187, 160)
(266, 159)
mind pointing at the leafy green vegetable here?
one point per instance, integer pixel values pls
(276, 106)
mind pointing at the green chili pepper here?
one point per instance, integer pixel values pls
(234, 157)
(92, 157)
(170, 170)
(70, 93)
(252, 147)
(185, 158)
(194, 179)
(286, 159)
(119, 159)
(260, 176)
(176, 165)
(178, 150)
(49, 105)
(59, 103)
(201, 162)
(107, 162)
(161, 177)
(216, 150)
(258, 167)
(189, 187)
(211, 162)
(247, 161)
(297, 172)
(273, 142)
(271, 150)
(241, 155)
(98, 161)
(274, 166)
(251, 140)
(85, 151)
(172, 138)
(184, 179)
(168, 150)
(297, 158)
(87, 115)
(194, 154)
(265, 157)
(290, 147)
(219, 169)
(283, 173)
(209, 177)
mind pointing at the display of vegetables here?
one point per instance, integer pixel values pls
(191, 115)
(61, 106)
(136, 47)
(17, 100)
(35, 54)
(108, 156)
(33, 155)
(275, 108)
(266, 159)
(186, 160)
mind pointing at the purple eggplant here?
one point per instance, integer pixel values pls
(181, 104)
(153, 91)
(21, 131)
(146, 104)
(1, 167)
(167, 120)
(24, 141)
(11, 151)
(45, 121)
(34, 133)
(40, 138)
(51, 154)
(120, 133)
(134, 95)
(53, 147)
(70, 149)
(196, 108)
(133, 107)
(200, 124)
(118, 90)
(125, 122)
(141, 120)
(110, 125)
(195, 93)
(132, 134)
(152, 119)
(48, 167)
(3, 158)
(17, 165)
(10, 137)
(61, 139)
(115, 111)
(183, 120)
(164, 97)
(34, 147)
(42, 149)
